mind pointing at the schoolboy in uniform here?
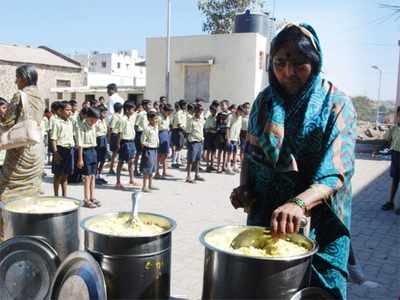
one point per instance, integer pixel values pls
(150, 143)
(164, 125)
(178, 133)
(76, 176)
(87, 155)
(101, 143)
(235, 125)
(222, 123)
(126, 142)
(141, 123)
(210, 137)
(113, 134)
(244, 130)
(195, 136)
(75, 111)
(62, 143)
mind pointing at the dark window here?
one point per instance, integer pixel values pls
(103, 64)
(90, 97)
(63, 83)
(59, 96)
(119, 65)
(73, 96)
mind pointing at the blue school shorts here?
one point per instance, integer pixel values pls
(243, 137)
(232, 147)
(164, 137)
(66, 166)
(114, 142)
(177, 138)
(148, 163)
(101, 148)
(89, 161)
(127, 150)
(195, 149)
(138, 143)
(210, 141)
(395, 165)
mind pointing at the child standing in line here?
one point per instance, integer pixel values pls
(222, 122)
(141, 123)
(243, 131)
(178, 133)
(126, 142)
(62, 143)
(87, 156)
(235, 125)
(194, 130)
(101, 143)
(164, 137)
(210, 130)
(113, 134)
(150, 143)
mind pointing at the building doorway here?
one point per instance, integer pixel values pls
(197, 83)
(90, 97)
(133, 97)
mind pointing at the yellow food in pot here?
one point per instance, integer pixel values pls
(119, 225)
(275, 247)
(41, 206)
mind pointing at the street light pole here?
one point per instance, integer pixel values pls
(379, 91)
(168, 59)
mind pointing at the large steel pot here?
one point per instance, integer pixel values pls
(60, 230)
(136, 267)
(233, 276)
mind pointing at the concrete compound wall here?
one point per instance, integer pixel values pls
(235, 74)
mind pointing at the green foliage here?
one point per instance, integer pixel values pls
(220, 14)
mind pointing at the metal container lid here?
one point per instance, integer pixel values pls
(79, 277)
(312, 293)
(27, 267)
(18, 206)
(232, 231)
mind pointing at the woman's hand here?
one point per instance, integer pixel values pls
(287, 218)
(242, 197)
(80, 164)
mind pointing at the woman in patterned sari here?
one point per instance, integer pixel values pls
(23, 166)
(299, 156)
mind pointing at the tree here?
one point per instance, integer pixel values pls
(220, 14)
(395, 11)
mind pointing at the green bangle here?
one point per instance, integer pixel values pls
(299, 202)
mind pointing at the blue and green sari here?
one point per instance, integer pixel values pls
(292, 146)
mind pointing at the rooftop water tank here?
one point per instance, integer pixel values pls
(252, 22)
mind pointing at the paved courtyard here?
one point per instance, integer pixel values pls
(376, 234)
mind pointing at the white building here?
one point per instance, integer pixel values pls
(120, 68)
(221, 66)
(126, 69)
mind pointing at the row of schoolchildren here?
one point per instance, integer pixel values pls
(223, 133)
(82, 139)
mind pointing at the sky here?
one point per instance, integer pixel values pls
(354, 34)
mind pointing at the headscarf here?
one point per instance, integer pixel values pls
(271, 139)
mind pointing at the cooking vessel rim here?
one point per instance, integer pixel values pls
(3, 206)
(86, 229)
(275, 258)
